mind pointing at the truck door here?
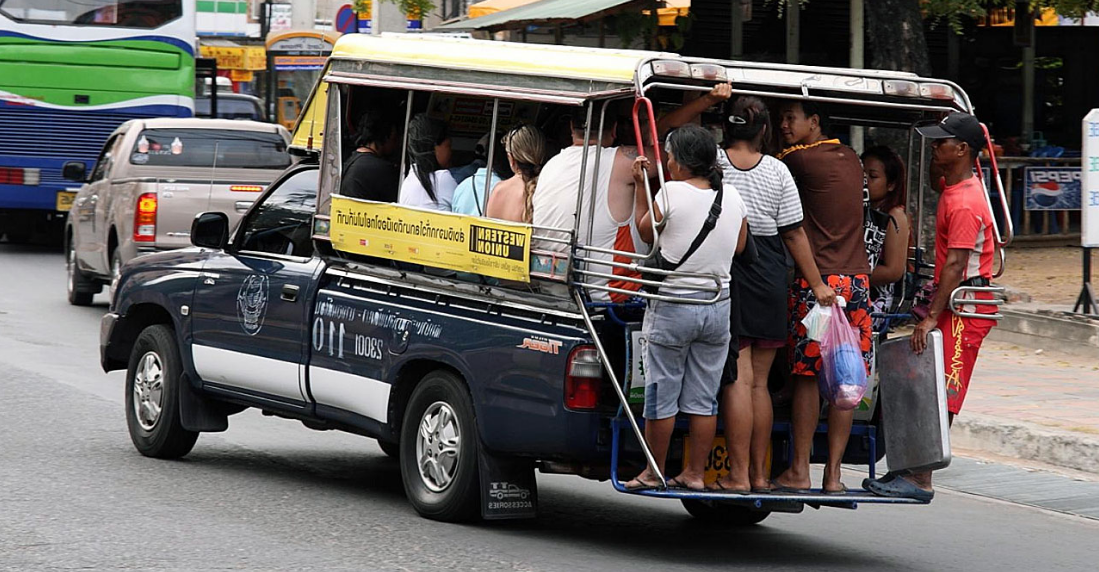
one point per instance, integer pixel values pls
(250, 310)
(91, 234)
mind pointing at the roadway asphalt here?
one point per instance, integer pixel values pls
(270, 494)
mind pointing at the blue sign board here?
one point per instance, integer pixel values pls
(345, 20)
(1052, 188)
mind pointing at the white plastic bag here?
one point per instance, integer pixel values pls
(816, 321)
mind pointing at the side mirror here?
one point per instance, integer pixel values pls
(210, 230)
(75, 171)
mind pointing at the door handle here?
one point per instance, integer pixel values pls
(290, 293)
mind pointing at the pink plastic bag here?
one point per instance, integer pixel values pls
(842, 378)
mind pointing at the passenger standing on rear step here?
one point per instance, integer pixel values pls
(686, 344)
(965, 245)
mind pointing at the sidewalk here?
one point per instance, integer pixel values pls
(1035, 389)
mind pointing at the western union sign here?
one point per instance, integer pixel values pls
(432, 238)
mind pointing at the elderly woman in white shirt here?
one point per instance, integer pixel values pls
(687, 344)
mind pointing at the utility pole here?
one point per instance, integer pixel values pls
(793, 32)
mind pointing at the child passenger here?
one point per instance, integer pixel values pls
(888, 247)
(687, 344)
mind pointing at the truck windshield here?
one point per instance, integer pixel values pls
(196, 148)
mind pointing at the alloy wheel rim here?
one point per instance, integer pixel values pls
(438, 446)
(148, 390)
(70, 270)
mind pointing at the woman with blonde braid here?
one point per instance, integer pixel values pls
(511, 199)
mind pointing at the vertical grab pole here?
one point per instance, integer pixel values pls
(994, 174)
(491, 156)
(642, 100)
(617, 388)
(580, 192)
(595, 171)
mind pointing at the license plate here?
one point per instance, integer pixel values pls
(65, 200)
(718, 462)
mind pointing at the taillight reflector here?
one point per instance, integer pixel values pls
(585, 373)
(11, 176)
(246, 188)
(145, 218)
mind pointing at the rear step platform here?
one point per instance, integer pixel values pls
(814, 498)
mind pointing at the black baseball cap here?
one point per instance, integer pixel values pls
(962, 126)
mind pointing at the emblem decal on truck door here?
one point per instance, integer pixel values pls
(252, 303)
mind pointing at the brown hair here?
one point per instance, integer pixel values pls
(527, 146)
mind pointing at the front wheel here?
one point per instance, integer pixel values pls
(438, 450)
(721, 513)
(152, 396)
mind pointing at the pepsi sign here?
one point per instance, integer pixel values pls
(1052, 188)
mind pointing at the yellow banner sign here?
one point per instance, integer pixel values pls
(436, 239)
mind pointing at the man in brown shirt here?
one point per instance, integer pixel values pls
(830, 182)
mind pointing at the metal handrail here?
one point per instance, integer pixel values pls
(956, 303)
(642, 100)
(1006, 239)
(608, 367)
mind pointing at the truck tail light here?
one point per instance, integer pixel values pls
(145, 218)
(585, 373)
(20, 176)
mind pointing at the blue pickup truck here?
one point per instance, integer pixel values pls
(459, 385)
(474, 350)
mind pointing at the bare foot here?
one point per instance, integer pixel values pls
(832, 483)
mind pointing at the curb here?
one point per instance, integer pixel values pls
(1026, 441)
(1048, 330)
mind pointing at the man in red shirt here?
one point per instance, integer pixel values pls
(964, 247)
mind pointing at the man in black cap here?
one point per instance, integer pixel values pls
(965, 244)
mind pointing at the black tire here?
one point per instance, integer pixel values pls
(721, 513)
(162, 437)
(79, 287)
(116, 270)
(459, 500)
(391, 449)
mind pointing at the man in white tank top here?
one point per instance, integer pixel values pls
(618, 204)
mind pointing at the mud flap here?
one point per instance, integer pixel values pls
(508, 487)
(198, 413)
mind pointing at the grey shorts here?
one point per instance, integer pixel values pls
(685, 350)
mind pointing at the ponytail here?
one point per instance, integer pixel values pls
(716, 178)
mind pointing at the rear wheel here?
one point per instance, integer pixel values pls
(80, 288)
(152, 396)
(723, 513)
(438, 450)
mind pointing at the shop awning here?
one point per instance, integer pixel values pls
(667, 15)
(545, 12)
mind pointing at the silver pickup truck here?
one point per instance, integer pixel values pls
(151, 179)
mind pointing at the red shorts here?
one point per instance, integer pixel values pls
(962, 339)
(803, 353)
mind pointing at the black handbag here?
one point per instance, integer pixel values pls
(658, 261)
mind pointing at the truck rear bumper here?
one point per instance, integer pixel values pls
(106, 333)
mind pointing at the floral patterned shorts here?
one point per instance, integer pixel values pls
(803, 353)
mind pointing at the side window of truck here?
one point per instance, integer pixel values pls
(282, 224)
(103, 164)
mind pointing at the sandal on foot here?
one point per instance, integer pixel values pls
(777, 488)
(675, 483)
(881, 480)
(636, 484)
(842, 490)
(900, 488)
(717, 487)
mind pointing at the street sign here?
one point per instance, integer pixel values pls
(1052, 188)
(366, 18)
(1089, 218)
(345, 19)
